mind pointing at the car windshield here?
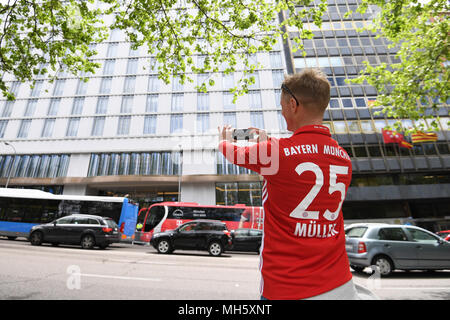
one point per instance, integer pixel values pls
(356, 232)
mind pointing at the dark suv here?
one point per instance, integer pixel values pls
(83, 229)
(209, 235)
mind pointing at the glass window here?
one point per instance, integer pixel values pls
(152, 103)
(77, 107)
(257, 119)
(31, 107)
(65, 220)
(230, 119)
(127, 104)
(353, 127)
(3, 125)
(98, 125)
(53, 107)
(176, 84)
(356, 232)
(132, 66)
(392, 234)
(102, 105)
(123, 127)
(277, 78)
(202, 101)
(202, 122)
(47, 130)
(59, 87)
(228, 100)
(281, 122)
(254, 98)
(153, 83)
(112, 50)
(105, 85)
(108, 67)
(36, 90)
(176, 123)
(81, 87)
(177, 102)
(276, 60)
(421, 236)
(129, 84)
(228, 81)
(72, 127)
(339, 127)
(23, 129)
(150, 124)
(366, 126)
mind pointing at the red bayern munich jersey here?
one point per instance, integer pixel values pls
(306, 177)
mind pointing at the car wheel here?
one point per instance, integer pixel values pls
(384, 264)
(88, 241)
(215, 248)
(36, 238)
(164, 246)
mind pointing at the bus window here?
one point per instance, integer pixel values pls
(153, 218)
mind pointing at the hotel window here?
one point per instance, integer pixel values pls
(230, 119)
(53, 107)
(3, 124)
(31, 107)
(176, 84)
(72, 127)
(36, 91)
(277, 93)
(105, 85)
(275, 60)
(366, 126)
(81, 87)
(102, 105)
(112, 50)
(129, 84)
(228, 81)
(153, 83)
(108, 68)
(177, 102)
(202, 101)
(228, 101)
(152, 103)
(176, 123)
(277, 78)
(353, 127)
(255, 84)
(150, 124)
(133, 52)
(254, 99)
(132, 66)
(123, 127)
(202, 122)
(7, 109)
(58, 89)
(339, 127)
(77, 107)
(97, 126)
(127, 104)
(47, 130)
(257, 120)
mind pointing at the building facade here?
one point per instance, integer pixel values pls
(126, 132)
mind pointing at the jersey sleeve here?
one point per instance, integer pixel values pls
(262, 157)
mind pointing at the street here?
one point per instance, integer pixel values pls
(125, 271)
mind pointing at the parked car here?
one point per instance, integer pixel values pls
(445, 234)
(392, 247)
(246, 239)
(210, 235)
(85, 230)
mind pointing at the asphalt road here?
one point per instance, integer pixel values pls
(137, 272)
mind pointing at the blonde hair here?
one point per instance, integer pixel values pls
(311, 87)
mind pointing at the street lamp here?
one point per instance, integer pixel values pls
(12, 162)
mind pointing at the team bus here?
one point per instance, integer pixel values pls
(169, 215)
(21, 209)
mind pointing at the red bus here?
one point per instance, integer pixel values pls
(169, 215)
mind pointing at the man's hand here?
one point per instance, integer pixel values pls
(262, 135)
(226, 133)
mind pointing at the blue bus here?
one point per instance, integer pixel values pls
(21, 209)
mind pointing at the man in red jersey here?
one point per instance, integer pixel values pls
(306, 177)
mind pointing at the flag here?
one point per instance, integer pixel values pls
(420, 137)
(391, 136)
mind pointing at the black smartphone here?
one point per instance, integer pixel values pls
(243, 134)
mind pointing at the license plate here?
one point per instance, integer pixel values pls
(348, 247)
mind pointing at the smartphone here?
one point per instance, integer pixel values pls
(243, 134)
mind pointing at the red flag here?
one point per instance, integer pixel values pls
(391, 136)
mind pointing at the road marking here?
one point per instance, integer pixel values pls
(115, 277)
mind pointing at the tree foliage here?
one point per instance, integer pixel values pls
(185, 37)
(419, 83)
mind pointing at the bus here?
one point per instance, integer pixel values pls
(169, 215)
(21, 209)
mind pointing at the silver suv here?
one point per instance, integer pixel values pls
(391, 247)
